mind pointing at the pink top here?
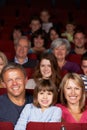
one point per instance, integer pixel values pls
(68, 118)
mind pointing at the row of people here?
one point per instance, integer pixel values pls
(44, 105)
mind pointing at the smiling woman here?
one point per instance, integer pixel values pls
(72, 96)
(47, 68)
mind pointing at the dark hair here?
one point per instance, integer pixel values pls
(84, 56)
(79, 30)
(45, 85)
(12, 66)
(38, 33)
(36, 18)
(55, 77)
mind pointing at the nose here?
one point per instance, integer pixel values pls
(73, 91)
(45, 96)
(14, 82)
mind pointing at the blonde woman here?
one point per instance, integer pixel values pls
(3, 62)
(72, 96)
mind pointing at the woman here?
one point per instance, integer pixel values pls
(72, 97)
(60, 48)
(46, 68)
(3, 62)
(38, 41)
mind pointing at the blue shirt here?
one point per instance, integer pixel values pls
(32, 113)
(10, 111)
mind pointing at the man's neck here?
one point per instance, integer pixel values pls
(79, 50)
(18, 100)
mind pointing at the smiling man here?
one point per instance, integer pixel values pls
(14, 79)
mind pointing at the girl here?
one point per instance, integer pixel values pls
(42, 109)
(47, 68)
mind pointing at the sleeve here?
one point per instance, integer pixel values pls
(30, 84)
(24, 118)
(57, 115)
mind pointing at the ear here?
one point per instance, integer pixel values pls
(3, 84)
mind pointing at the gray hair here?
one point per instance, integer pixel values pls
(24, 38)
(59, 42)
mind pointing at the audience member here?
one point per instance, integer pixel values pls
(42, 109)
(79, 40)
(53, 34)
(45, 18)
(3, 62)
(60, 48)
(47, 68)
(84, 68)
(14, 79)
(69, 31)
(34, 25)
(72, 96)
(17, 33)
(21, 50)
(38, 41)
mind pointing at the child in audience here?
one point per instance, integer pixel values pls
(72, 96)
(45, 18)
(84, 69)
(42, 109)
(70, 26)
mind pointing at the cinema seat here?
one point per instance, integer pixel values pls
(6, 126)
(56, 126)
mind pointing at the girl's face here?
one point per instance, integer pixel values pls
(53, 35)
(1, 64)
(45, 68)
(45, 99)
(38, 42)
(72, 92)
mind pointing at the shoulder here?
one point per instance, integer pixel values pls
(61, 106)
(30, 84)
(56, 108)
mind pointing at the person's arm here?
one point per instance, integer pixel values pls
(23, 119)
(57, 115)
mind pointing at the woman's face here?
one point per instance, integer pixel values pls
(45, 68)
(38, 42)
(72, 92)
(60, 52)
(53, 35)
(1, 64)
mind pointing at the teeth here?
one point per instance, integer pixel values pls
(15, 88)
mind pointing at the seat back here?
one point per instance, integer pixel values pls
(6, 126)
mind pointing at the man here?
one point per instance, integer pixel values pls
(79, 39)
(14, 79)
(21, 55)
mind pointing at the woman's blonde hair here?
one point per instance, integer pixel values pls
(75, 77)
(4, 58)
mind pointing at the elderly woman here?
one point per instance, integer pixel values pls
(60, 48)
(72, 96)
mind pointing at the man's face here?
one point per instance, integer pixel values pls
(35, 25)
(79, 40)
(14, 81)
(22, 48)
